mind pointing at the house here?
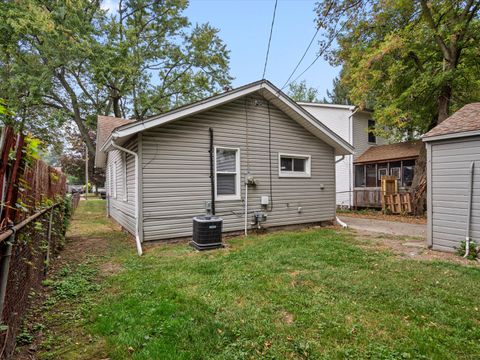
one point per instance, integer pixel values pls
(396, 159)
(453, 180)
(352, 125)
(208, 155)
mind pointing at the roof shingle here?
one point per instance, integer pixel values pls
(397, 151)
(105, 126)
(464, 120)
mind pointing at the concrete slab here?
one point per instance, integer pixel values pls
(385, 227)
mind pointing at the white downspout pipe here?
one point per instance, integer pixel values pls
(469, 211)
(137, 200)
(246, 208)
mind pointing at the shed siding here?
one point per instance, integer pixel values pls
(123, 211)
(450, 166)
(176, 170)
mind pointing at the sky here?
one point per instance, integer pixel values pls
(245, 26)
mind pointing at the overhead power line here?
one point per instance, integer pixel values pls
(301, 59)
(269, 40)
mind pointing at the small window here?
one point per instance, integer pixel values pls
(371, 135)
(227, 173)
(294, 165)
(359, 175)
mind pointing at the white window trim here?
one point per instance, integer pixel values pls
(114, 180)
(237, 195)
(295, 174)
(124, 176)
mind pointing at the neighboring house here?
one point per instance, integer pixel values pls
(397, 159)
(352, 125)
(453, 174)
(164, 170)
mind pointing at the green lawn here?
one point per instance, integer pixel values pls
(290, 295)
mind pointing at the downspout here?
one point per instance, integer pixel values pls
(469, 211)
(137, 199)
(350, 164)
(246, 208)
(341, 159)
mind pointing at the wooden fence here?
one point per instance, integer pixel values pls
(33, 214)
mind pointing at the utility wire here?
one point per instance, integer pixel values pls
(269, 40)
(301, 59)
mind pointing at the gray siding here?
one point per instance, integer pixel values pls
(176, 170)
(120, 208)
(450, 165)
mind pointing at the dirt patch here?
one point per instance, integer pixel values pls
(287, 317)
(110, 268)
(378, 215)
(406, 247)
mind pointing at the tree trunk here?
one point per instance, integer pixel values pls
(419, 194)
(444, 103)
(117, 110)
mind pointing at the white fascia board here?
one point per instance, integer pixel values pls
(451, 136)
(181, 113)
(335, 140)
(341, 147)
(333, 106)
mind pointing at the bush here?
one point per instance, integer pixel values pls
(473, 250)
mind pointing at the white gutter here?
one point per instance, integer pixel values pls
(137, 199)
(469, 211)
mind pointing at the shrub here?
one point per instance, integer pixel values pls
(473, 250)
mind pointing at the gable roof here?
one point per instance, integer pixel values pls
(461, 123)
(105, 126)
(264, 88)
(397, 151)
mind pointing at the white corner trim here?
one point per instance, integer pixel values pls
(295, 174)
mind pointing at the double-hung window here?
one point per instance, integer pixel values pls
(294, 165)
(227, 173)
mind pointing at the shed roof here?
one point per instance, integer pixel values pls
(263, 87)
(105, 126)
(391, 152)
(461, 123)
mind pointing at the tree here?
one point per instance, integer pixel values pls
(70, 61)
(414, 61)
(301, 92)
(339, 94)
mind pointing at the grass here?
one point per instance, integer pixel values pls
(289, 295)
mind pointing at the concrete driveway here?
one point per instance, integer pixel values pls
(385, 227)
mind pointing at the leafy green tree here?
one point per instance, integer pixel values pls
(339, 93)
(414, 61)
(70, 61)
(302, 93)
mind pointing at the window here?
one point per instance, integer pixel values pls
(114, 180)
(371, 178)
(371, 135)
(395, 169)
(359, 175)
(382, 170)
(124, 176)
(227, 173)
(294, 165)
(408, 172)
